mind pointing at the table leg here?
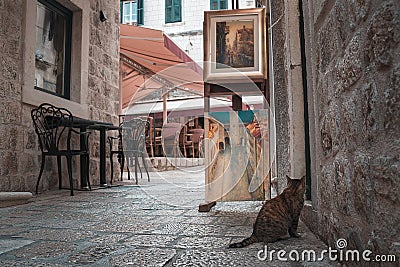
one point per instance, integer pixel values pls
(103, 182)
(84, 184)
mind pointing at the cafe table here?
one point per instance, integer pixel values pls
(102, 127)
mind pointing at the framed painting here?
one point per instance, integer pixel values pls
(234, 44)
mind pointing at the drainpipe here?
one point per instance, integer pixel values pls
(306, 122)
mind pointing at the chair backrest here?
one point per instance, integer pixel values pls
(197, 134)
(134, 135)
(151, 127)
(170, 131)
(170, 138)
(50, 123)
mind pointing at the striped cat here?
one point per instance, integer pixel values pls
(278, 216)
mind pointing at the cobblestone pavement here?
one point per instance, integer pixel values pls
(153, 224)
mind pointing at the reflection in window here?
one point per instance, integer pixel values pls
(53, 47)
(173, 11)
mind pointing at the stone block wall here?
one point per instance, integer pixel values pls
(15, 137)
(103, 76)
(353, 67)
(19, 152)
(355, 82)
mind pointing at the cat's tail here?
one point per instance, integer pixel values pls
(250, 240)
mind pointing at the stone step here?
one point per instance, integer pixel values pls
(8, 199)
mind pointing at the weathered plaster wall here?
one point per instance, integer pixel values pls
(280, 93)
(19, 151)
(354, 80)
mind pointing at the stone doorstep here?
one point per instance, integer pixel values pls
(8, 199)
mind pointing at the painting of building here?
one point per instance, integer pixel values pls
(235, 44)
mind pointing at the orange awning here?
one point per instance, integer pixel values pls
(144, 55)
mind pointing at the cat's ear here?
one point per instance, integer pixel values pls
(288, 178)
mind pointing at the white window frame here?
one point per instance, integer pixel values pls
(131, 14)
(79, 59)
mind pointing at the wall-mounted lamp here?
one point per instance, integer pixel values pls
(102, 16)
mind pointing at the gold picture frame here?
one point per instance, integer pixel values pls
(234, 45)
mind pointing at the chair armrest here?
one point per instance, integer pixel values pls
(80, 133)
(84, 134)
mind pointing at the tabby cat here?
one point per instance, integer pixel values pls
(278, 216)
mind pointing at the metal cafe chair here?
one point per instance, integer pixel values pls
(170, 139)
(187, 142)
(197, 137)
(134, 143)
(119, 151)
(52, 124)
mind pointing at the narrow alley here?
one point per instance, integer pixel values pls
(153, 224)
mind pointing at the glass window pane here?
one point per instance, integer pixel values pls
(168, 14)
(50, 50)
(214, 4)
(134, 12)
(223, 4)
(177, 13)
(127, 8)
(127, 19)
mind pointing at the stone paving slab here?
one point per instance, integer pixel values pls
(151, 224)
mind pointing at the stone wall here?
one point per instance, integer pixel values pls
(354, 57)
(19, 151)
(103, 82)
(353, 76)
(15, 137)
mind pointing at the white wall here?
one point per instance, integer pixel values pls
(190, 30)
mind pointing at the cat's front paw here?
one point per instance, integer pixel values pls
(297, 235)
(294, 234)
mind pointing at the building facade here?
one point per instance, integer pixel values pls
(182, 20)
(61, 52)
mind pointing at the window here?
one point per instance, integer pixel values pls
(132, 12)
(218, 4)
(53, 48)
(173, 11)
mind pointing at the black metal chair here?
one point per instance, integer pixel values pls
(134, 143)
(119, 151)
(52, 125)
